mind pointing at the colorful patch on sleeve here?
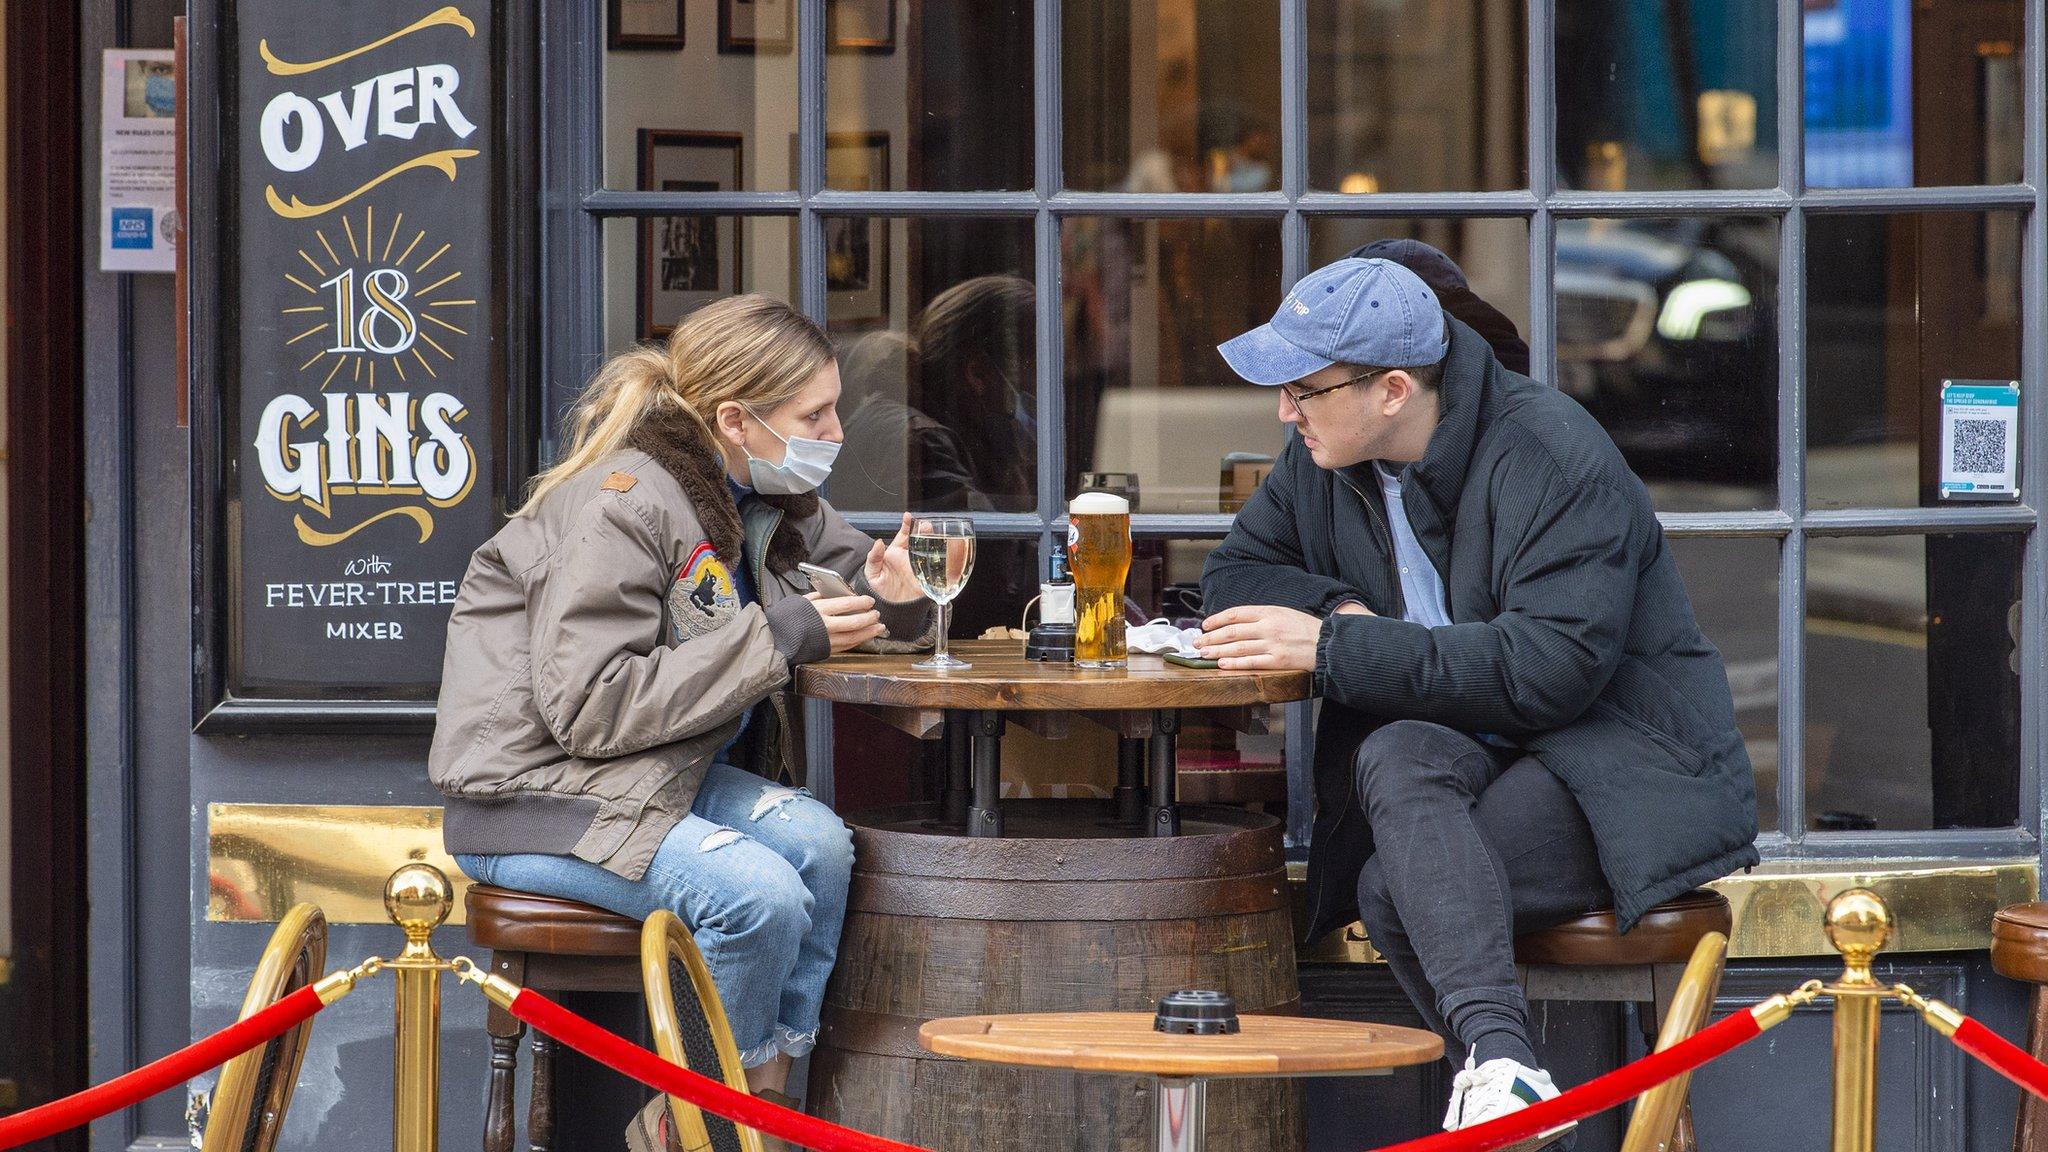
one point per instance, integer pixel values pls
(702, 600)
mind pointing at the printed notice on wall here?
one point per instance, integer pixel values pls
(365, 408)
(138, 160)
(1980, 439)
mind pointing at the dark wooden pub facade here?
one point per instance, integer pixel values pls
(1753, 238)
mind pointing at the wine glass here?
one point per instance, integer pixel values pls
(941, 557)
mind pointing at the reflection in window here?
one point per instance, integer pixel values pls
(935, 321)
(947, 93)
(734, 87)
(1171, 95)
(1144, 303)
(1671, 95)
(1416, 95)
(1895, 304)
(1912, 681)
(1667, 332)
(1899, 94)
(660, 269)
(1490, 258)
(1733, 585)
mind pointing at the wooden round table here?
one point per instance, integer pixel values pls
(1144, 701)
(1181, 1065)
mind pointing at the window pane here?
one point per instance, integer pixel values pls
(1733, 584)
(1899, 94)
(1171, 95)
(1672, 95)
(1492, 254)
(1416, 96)
(939, 362)
(1912, 681)
(711, 110)
(945, 91)
(1145, 302)
(1667, 330)
(659, 270)
(1896, 304)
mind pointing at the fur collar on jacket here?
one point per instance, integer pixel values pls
(678, 443)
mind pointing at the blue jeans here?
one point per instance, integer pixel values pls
(758, 871)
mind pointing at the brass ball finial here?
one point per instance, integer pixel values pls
(1858, 925)
(418, 898)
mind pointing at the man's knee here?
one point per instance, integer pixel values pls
(1375, 899)
(1409, 757)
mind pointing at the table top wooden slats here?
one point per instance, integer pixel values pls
(1125, 1042)
(1003, 680)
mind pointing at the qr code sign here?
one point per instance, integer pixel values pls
(1979, 446)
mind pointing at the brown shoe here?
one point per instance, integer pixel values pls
(653, 1129)
(777, 1143)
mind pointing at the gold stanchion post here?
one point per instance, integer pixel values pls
(1858, 924)
(418, 898)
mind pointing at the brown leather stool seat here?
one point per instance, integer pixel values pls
(552, 946)
(1587, 960)
(2019, 951)
(1666, 934)
(507, 921)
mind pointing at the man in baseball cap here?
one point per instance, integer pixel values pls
(1521, 721)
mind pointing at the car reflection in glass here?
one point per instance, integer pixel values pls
(1666, 332)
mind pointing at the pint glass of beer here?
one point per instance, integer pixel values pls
(1099, 556)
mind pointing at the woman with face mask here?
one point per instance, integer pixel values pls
(613, 724)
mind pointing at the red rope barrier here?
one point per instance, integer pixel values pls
(157, 1076)
(640, 1064)
(2003, 1056)
(1598, 1094)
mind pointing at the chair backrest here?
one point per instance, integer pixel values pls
(255, 1088)
(1657, 1111)
(690, 1029)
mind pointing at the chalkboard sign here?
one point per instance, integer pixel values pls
(360, 399)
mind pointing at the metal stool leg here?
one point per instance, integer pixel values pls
(985, 816)
(1181, 1124)
(1162, 817)
(959, 777)
(1130, 780)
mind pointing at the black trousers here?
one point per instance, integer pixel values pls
(1473, 844)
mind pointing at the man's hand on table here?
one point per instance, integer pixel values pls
(1262, 637)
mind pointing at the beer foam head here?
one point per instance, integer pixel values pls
(1099, 504)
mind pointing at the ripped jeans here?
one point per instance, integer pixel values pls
(760, 874)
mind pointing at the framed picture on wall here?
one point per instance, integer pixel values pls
(645, 24)
(686, 261)
(867, 26)
(856, 247)
(746, 27)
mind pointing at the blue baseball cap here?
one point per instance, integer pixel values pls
(1368, 312)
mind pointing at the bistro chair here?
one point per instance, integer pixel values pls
(2019, 951)
(1654, 1125)
(690, 1029)
(550, 946)
(1587, 960)
(255, 1088)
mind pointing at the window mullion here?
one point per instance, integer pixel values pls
(1791, 749)
(1542, 153)
(1047, 175)
(1294, 254)
(2033, 641)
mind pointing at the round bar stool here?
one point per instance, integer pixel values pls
(1588, 960)
(550, 946)
(2019, 951)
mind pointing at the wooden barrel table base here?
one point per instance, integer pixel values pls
(1069, 912)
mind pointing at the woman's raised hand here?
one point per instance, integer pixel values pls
(888, 568)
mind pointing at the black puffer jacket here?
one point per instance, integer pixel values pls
(1571, 633)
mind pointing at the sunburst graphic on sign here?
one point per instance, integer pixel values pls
(376, 300)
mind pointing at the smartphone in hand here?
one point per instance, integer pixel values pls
(826, 581)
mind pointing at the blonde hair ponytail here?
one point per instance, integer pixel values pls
(752, 349)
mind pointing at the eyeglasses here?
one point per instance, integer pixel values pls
(1296, 398)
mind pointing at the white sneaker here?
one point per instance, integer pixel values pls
(1499, 1088)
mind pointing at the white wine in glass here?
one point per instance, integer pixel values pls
(941, 558)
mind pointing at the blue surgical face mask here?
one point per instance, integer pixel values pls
(805, 463)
